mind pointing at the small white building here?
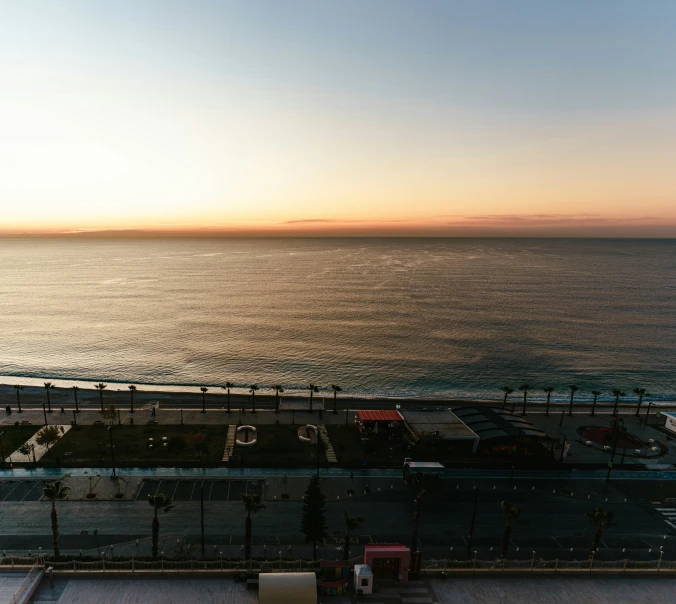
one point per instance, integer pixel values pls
(363, 579)
(669, 420)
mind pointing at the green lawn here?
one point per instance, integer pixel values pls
(380, 451)
(90, 445)
(277, 447)
(14, 437)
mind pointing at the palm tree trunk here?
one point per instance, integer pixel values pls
(593, 406)
(49, 403)
(570, 406)
(204, 402)
(156, 534)
(598, 533)
(55, 531)
(417, 509)
(504, 401)
(640, 400)
(525, 394)
(77, 408)
(277, 402)
(506, 534)
(132, 402)
(549, 394)
(247, 538)
(18, 401)
(253, 402)
(310, 401)
(335, 403)
(101, 398)
(228, 400)
(617, 401)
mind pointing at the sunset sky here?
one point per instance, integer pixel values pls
(348, 117)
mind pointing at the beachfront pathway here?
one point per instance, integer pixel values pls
(38, 450)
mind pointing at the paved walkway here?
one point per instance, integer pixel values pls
(186, 416)
(10, 581)
(162, 590)
(38, 451)
(558, 425)
(466, 589)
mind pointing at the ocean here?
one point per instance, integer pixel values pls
(438, 318)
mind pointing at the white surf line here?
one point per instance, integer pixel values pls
(39, 450)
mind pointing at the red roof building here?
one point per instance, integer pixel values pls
(379, 416)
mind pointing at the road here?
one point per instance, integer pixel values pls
(552, 522)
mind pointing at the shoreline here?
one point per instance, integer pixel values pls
(114, 391)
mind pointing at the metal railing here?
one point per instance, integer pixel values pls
(434, 565)
(538, 564)
(23, 591)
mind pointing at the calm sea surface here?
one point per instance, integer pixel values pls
(379, 317)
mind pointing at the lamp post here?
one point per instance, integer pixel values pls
(112, 449)
(648, 413)
(617, 426)
(202, 512)
(563, 446)
(471, 526)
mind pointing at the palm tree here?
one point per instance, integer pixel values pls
(549, 391)
(48, 387)
(100, 388)
(75, 390)
(641, 393)
(511, 513)
(312, 388)
(524, 388)
(132, 389)
(227, 387)
(422, 483)
(18, 396)
(252, 504)
(617, 394)
(507, 390)
(277, 390)
(352, 523)
(53, 491)
(253, 389)
(573, 390)
(595, 394)
(601, 518)
(336, 390)
(204, 400)
(159, 501)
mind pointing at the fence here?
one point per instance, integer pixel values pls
(430, 566)
(163, 565)
(539, 565)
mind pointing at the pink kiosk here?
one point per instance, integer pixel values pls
(388, 560)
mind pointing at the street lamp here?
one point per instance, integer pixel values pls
(112, 449)
(617, 426)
